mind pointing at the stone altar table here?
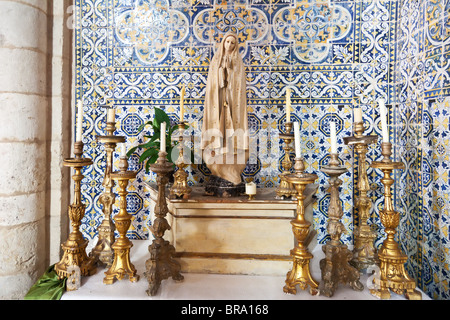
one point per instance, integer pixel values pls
(234, 235)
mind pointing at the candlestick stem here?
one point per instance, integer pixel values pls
(180, 187)
(335, 267)
(393, 275)
(300, 273)
(102, 251)
(286, 189)
(364, 251)
(121, 265)
(74, 249)
(161, 264)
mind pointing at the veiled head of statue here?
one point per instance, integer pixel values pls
(229, 43)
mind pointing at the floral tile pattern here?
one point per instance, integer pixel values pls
(334, 55)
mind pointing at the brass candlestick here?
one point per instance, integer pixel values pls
(74, 249)
(335, 267)
(121, 265)
(364, 251)
(300, 273)
(161, 264)
(393, 275)
(102, 252)
(180, 187)
(285, 189)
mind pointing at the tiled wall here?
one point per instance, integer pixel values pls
(421, 134)
(334, 55)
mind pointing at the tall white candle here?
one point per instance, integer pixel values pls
(333, 137)
(383, 116)
(298, 150)
(111, 115)
(163, 137)
(288, 105)
(79, 132)
(123, 153)
(183, 91)
(357, 115)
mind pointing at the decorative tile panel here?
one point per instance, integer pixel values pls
(310, 26)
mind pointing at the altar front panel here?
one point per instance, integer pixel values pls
(234, 235)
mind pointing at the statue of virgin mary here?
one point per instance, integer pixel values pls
(225, 121)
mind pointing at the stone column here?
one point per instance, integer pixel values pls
(61, 118)
(25, 128)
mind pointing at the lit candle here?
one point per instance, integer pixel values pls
(298, 151)
(183, 91)
(123, 153)
(288, 105)
(80, 122)
(111, 115)
(333, 137)
(163, 137)
(250, 188)
(383, 116)
(357, 115)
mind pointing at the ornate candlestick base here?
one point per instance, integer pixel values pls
(364, 251)
(161, 264)
(180, 187)
(335, 267)
(122, 265)
(74, 249)
(393, 275)
(286, 189)
(102, 251)
(300, 273)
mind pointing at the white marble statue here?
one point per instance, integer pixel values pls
(225, 125)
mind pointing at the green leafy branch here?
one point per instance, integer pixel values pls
(152, 146)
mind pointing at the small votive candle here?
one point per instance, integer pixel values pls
(250, 188)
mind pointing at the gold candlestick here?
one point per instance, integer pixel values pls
(300, 273)
(102, 252)
(393, 275)
(74, 249)
(180, 187)
(364, 251)
(121, 265)
(335, 267)
(161, 264)
(285, 189)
